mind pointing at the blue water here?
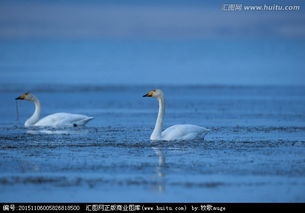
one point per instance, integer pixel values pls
(239, 61)
(254, 153)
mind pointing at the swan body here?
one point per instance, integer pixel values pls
(61, 119)
(184, 132)
(175, 132)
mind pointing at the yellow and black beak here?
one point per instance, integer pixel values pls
(149, 94)
(21, 97)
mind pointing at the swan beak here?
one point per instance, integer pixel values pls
(21, 97)
(149, 94)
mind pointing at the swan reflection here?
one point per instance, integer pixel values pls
(160, 169)
(63, 131)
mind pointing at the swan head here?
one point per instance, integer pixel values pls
(157, 93)
(26, 96)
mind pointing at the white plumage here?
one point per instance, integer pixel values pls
(184, 132)
(61, 119)
(176, 132)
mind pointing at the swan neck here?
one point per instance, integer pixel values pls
(156, 134)
(35, 117)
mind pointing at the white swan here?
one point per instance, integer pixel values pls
(176, 132)
(54, 120)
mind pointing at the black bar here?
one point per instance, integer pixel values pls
(152, 207)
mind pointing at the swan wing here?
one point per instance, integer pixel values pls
(184, 132)
(64, 120)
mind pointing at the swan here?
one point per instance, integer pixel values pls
(54, 120)
(175, 132)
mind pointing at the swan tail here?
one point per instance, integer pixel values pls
(88, 119)
(205, 132)
(82, 122)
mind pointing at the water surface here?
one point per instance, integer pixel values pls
(254, 153)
